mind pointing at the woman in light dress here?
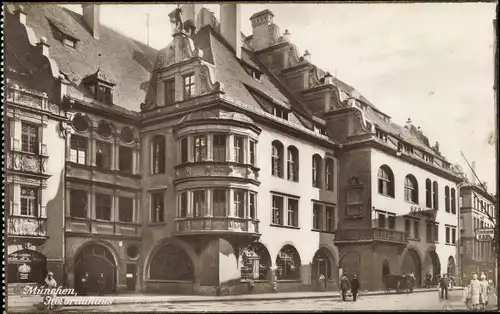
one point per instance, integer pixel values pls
(474, 292)
(484, 291)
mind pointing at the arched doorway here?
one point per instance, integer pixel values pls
(26, 266)
(412, 264)
(171, 263)
(350, 265)
(255, 262)
(436, 267)
(451, 266)
(322, 264)
(94, 260)
(288, 263)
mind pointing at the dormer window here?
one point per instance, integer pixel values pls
(381, 135)
(189, 86)
(169, 92)
(428, 158)
(280, 113)
(69, 42)
(101, 87)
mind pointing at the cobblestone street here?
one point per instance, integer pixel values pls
(416, 301)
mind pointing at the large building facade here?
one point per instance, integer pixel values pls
(477, 211)
(220, 163)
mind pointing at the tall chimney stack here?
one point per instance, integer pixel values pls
(92, 16)
(230, 25)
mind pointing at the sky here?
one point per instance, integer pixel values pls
(431, 62)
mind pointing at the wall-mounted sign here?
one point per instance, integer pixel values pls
(485, 235)
(418, 211)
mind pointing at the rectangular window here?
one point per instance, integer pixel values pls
(238, 149)
(200, 148)
(416, 229)
(183, 204)
(103, 206)
(78, 206)
(104, 95)
(125, 159)
(78, 150)
(381, 220)
(157, 207)
(293, 212)
(436, 232)
(219, 203)
(219, 147)
(277, 210)
(329, 174)
(453, 235)
(29, 138)
(252, 152)
(189, 86)
(391, 221)
(428, 232)
(29, 201)
(239, 203)
(330, 218)
(447, 230)
(184, 150)
(199, 203)
(317, 215)
(408, 228)
(126, 209)
(252, 199)
(103, 155)
(169, 92)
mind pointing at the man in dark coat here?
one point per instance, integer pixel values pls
(354, 288)
(101, 284)
(85, 284)
(443, 284)
(345, 285)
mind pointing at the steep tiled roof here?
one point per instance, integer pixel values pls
(128, 62)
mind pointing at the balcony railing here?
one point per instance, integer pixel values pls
(196, 225)
(375, 234)
(19, 161)
(31, 98)
(26, 226)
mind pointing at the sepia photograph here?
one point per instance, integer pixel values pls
(250, 157)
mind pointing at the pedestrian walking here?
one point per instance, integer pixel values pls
(484, 291)
(474, 292)
(345, 285)
(428, 280)
(354, 288)
(101, 284)
(50, 283)
(444, 283)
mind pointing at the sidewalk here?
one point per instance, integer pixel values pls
(17, 301)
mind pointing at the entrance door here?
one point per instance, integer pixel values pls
(131, 277)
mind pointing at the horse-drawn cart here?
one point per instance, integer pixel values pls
(400, 283)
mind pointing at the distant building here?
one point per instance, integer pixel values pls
(477, 211)
(223, 159)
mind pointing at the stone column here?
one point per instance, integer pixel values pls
(210, 153)
(230, 149)
(190, 149)
(209, 202)
(92, 150)
(230, 209)
(189, 203)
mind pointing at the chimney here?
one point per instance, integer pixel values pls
(190, 12)
(92, 17)
(230, 25)
(408, 124)
(261, 24)
(473, 169)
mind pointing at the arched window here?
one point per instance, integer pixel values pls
(288, 263)
(453, 201)
(435, 195)
(428, 193)
(321, 265)
(277, 159)
(385, 181)
(158, 154)
(411, 189)
(329, 174)
(447, 199)
(171, 263)
(293, 163)
(255, 262)
(316, 170)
